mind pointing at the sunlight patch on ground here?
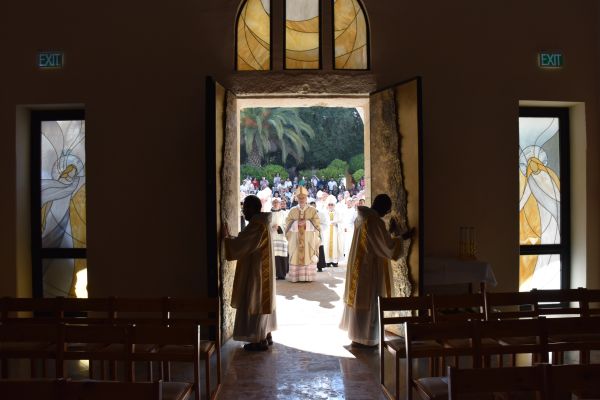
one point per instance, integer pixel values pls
(309, 314)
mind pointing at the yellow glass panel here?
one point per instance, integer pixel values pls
(77, 216)
(526, 268)
(302, 34)
(66, 277)
(350, 35)
(254, 36)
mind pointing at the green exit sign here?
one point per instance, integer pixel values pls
(550, 59)
(50, 59)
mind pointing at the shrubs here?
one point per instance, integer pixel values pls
(356, 162)
(268, 171)
(357, 175)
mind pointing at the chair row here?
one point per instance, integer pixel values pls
(124, 345)
(479, 341)
(166, 311)
(482, 306)
(548, 382)
(66, 389)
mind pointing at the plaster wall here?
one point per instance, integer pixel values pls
(139, 68)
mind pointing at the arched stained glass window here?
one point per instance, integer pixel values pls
(254, 36)
(350, 35)
(302, 34)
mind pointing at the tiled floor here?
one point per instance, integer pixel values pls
(311, 357)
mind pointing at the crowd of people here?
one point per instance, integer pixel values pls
(284, 189)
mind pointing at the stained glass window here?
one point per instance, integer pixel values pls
(65, 277)
(254, 36)
(63, 184)
(350, 35)
(61, 191)
(540, 207)
(302, 34)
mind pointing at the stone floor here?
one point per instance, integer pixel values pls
(311, 357)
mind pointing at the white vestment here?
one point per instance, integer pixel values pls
(253, 294)
(369, 265)
(348, 218)
(332, 237)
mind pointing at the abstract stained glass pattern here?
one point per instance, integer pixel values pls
(63, 200)
(539, 203)
(350, 35)
(302, 34)
(66, 277)
(254, 36)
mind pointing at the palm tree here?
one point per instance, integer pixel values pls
(264, 130)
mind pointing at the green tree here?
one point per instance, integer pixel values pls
(357, 162)
(339, 133)
(358, 174)
(269, 172)
(249, 170)
(266, 130)
(335, 169)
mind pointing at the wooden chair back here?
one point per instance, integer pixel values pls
(397, 311)
(47, 389)
(442, 333)
(29, 310)
(33, 341)
(563, 302)
(510, 305)
(458, 307)
(113, 390)
(65, 389)
(206, 312)
(140, 311)
(518, 336)
(174, 343)
(592, 300)
(580, 380)
(467, 383)
(86, 310)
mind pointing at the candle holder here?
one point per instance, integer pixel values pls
(466, 243)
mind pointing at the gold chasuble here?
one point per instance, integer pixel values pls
(372, 249)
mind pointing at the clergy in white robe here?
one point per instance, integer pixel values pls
(348, 217)
(333, 241)
(303, 234)
(369, 272)
(253, 294)
(280, 245)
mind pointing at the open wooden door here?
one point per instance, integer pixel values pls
(223, 207)
(396, 169)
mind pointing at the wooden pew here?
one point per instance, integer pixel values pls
(131, 344)
(173, 343)
(123, 311)
(206, 313)
(482, 382)
(395, 311)
(581, 380)
(65, 389)
(442, 333)
(31, 342)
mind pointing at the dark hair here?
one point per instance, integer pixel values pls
(253, 203)
(382, 204)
